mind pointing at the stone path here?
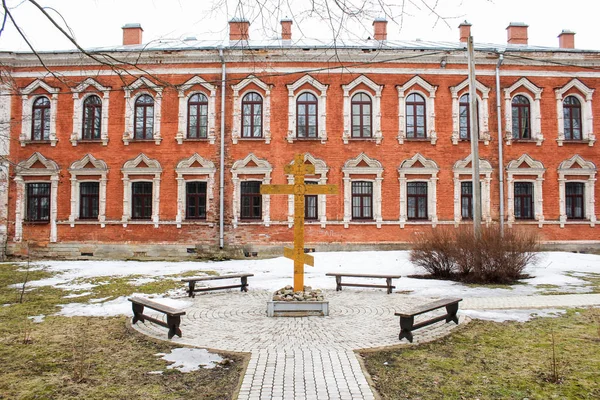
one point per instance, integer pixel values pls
(313, 357)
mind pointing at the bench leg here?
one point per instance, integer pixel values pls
(191, 289)
(406, 325)
(388, 281)
(338, 283)
(173, 324)
(452, 309)
(244, 287)
(138, 313)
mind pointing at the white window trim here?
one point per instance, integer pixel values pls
(28, 99)
(4, 165)
(406, 90)
(533, 168)
(79, 100)
(128, 135)
(407, 168)
(293, 95)
(131, 169)
(349, 92)
(184, 167)
(321, 171)
(183, 108)
(5, 113)
(482, 93)
(79, 168)
(535, 115)
(463, 173)
(240, 168)
(352, 167)
(23, 170)
(586, 174)
(587, 114)
(238, 95)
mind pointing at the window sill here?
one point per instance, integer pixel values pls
(36, 222)
(34, 142)
(417, 139)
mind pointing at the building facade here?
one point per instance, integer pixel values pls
(162, 153)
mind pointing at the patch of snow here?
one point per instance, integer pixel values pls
(188, 359)
(100, 300)
(118, 306)
(155, 372)
(37, 319)
(74, 295)
(141, 281)
(511, 315)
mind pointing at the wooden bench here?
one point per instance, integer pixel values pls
(192, 283)
(407, 320)
(173, 314)
(338, 280)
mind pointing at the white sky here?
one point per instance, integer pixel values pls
(97, 23)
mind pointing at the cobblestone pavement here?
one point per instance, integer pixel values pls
(307, 358)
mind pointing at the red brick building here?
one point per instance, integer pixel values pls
(162, 153)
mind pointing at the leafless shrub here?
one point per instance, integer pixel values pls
(434, 252)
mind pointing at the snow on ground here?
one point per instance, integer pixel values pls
(187, 359)
(520, 315)
(118, 306)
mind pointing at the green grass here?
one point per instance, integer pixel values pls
(91, 357)
(487, 360)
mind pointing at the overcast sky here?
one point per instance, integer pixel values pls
(97, 23)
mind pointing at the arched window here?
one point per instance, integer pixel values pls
(197, 117)
(92, 118)
(572, 118)
(465, 117)
(144, 117)
(252, 115)
(415, 116)
(361, 116)
(521, 124)
(306, 111)
(40, 128)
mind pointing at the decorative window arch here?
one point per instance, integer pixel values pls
(197, 169)
(362, 168)
(36, 169)
(584, 95)
(319, 90)
(239, 91)
(79, 98)
(251, 168)
(88, 166)
(525, 169)
(420, 166)
(28, 99)
(374, 92)
(142, 86)
(463, 172)
(427, 91)
(319, 178)
(576, 169)
(535, 115)
(188, 89)
(142, 166)
(483, 110)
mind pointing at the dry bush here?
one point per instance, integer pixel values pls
(434, 252)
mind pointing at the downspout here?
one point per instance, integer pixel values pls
(222, 153)
(500, 153)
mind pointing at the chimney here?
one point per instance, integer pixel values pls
(566, 39)
(286, 29)
(465, 31)
(238, 29)
(380, 30)
(132, 34)
(517, 33)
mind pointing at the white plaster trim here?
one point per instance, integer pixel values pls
(407, 168)
(79, 168)
(142, 82)
(586, 174)
(321, 171)
(184, 167)
(28, 98)
(535, 116)
(482, 93)
(533, 168)
(403, 92)
(375, 108)
(3, 205)
(587, 114)
(321, 106)
(183, 107)
(236, 133)
(240, 168)
(78, 101)
(5, 113)
(352, 167)
(130, 168)
(460, 169)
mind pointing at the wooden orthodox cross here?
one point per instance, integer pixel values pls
(299, 189)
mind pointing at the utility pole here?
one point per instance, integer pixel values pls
(474, 134)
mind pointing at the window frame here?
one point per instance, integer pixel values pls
(570, 197)
(90, 206)
(39, 206)
(252, 105)
(521, 197)
(251, 196)
(314, 198)
(306, 115)
(568, 123)
(95, 108)
(469, 199)
(521, 108)
(45, 119)
(146, 200)
(419, 198)
(467, 105)
(201, 203)
(414, 105)
(361, 197)
(361, 126)
(199, 105)
(145, 117)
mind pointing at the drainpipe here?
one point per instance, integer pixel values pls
(222, 154)
(500, 154)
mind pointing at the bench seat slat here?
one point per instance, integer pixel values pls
(351, 275)
(429, 307)
(208, 288)
(366, 285)
(212, 278)
(157, 306)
